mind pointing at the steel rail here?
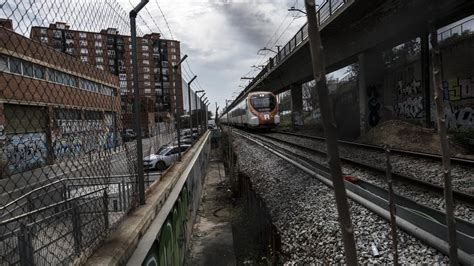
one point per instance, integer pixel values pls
(425, 223)
(458, 195)
(432, 156)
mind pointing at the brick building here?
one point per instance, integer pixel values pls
(52, 106)
(108, 50)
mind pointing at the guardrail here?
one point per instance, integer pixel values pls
(324, 12)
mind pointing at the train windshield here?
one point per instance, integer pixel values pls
(263, 102)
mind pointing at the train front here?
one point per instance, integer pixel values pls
(263, 110)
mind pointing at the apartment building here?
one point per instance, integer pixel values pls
(159, 86)
(52, 106)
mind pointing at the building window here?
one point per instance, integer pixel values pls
(98, 52)
(164, 63)
(147, 91)
(44, 31)
(69, 35)
(146, 70)
(99, 59)
(144, 41)
(146, 76)
(144, 47)
(173, 50)
(57, 34)
(98, 44)
(83, 43)
(146, 62)
(70, 51)
(173, 57)
(27, 69)
(84, 51)
(3, 63)
(101, 67)
(44, 39)
(82, 35)
(84, 58)
(111, 62)
(111, 53)
(15, 66)
(98, 37)
(146, 55)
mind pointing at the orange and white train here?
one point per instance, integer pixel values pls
(258, 110)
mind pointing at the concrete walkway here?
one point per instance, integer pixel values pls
(212, 241)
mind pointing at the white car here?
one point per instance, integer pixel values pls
(164, 158)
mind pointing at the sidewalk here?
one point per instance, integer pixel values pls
(212, 240)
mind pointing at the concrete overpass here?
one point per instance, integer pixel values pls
(357, 31)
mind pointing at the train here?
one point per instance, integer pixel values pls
(258, 110)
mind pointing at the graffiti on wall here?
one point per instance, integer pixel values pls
(78, 137)
(412, 107)
(25, 151)
(373, 105)
(457, 117)
(410, 103)
(459, 96)
(2, 133)
(458, 89)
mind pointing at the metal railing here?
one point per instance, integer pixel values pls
(324, 12)
(465, 27)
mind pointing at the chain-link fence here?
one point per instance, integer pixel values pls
(68, 149)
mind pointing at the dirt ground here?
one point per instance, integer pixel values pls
(403, 135)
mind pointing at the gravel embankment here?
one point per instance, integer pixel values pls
(423, 169)
(304, 211)
(420, 195)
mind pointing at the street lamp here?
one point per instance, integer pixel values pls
(196, 106)
(259, 67)
(296, 9)
(189, 101)
(201, 104)
(177, 112)
(265, 49)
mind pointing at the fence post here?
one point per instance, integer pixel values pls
(391, 205)
(76, 228)
(330, 129)
(25, 246)
(106, 210)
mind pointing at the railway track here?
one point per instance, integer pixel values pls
(425, 223)
(431, 156)
(458, 195)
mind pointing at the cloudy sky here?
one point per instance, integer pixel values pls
(222, 37)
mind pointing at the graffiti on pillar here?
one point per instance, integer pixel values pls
(373, 106)
(410, 102)
(456, 89)
(25, 151)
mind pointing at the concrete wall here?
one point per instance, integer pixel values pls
(403, 92)
(170, 244)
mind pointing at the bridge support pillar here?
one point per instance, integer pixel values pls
(297, 106)
(371, 76)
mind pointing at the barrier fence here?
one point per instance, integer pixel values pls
(68, 151)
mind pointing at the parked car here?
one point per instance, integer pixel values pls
(128, 135)
(164, 157)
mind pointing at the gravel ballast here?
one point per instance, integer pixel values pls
(410, 191)
(304, 212)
